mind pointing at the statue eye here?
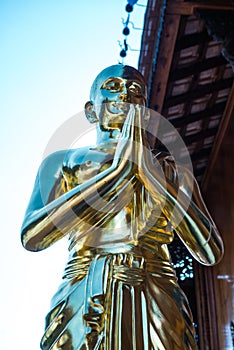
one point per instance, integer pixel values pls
(112, 85)
(136, 89)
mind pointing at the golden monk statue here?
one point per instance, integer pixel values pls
(118, 203)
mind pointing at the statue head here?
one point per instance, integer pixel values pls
(111, 94)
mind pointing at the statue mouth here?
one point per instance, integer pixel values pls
(119, 107)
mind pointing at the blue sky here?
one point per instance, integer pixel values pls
(51, 52)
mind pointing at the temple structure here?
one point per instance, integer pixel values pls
(187, 58)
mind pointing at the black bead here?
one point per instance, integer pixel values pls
(129, 8)
(123, 53)
(126, 31)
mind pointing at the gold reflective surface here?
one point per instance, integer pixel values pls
(119, 205)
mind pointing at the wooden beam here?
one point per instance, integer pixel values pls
(228, 113)
(201, 135)
(189, 139)
(201, 154)
(219, 197)
(206, 310)
(192, 40)
(163, 63)
(197, 67)
(188, 8)
(149, 38)
(157, 88)
(216, 109)
(199, 92)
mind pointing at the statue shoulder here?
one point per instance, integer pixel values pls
(80, 157)
(75, 157)
(54, 162)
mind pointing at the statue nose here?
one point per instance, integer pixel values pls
(124, 96)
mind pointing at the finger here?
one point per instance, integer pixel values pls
(139, 130)
(128, 124)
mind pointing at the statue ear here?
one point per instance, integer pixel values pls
(90, 113)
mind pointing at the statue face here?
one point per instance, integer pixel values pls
(114, 91)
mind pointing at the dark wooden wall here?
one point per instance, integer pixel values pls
(219, 197)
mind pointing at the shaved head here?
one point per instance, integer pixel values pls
(117, 70)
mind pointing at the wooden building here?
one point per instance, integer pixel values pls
(187, 58)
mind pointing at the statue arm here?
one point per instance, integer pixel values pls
(48, 219)
(180, 201)
(182, 204)
(197, 230)
(42, 195)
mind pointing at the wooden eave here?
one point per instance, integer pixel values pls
(189, 81)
